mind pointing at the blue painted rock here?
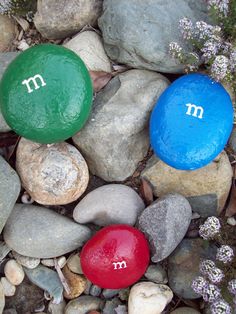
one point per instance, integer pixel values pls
(191, 122)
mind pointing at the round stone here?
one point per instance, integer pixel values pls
(115, 257)
(46, 94)
(191, 122)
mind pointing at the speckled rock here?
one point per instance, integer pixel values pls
(52, 175)
(183, 265)
(165, 223)
(46, 279)
(185, 310)
(109, 204)
(9, 191)
(207, 188)
(156, 273)
(89, 47)
(29, 229)
(59, 19)
(138, 33)
(14, 272)
(76, 283)
(120, 118)
(28, 262)
(8, 32)
(149, 297)
(8, 288)
(83, 304)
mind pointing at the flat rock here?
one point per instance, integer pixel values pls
(83, 305)
(46, 279)
(29, 229)
(207, 189)
(9, 191)
(52, 175)
(109, 204)
(89, 47)
(138, 33)
(183, 265)
(55, 20)
(8, 32)
(120, 118)
(149, 297)
(165, 223)
(185, 310)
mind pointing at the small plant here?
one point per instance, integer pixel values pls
(17, 7)
(214, 46)
(213, 280)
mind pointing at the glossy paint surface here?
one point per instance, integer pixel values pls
(101, 255)
(188, 137)
(57, 105)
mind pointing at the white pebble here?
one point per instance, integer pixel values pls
(8, 288)
(195, 216)
(49, 262)
(26, 261)
(231, 221)
(14, 272)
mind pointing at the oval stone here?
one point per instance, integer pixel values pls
(115, 257)
(191, 122)
(46, 94)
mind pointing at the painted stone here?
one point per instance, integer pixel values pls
(46, 94)
(191, 122)
(115, 257)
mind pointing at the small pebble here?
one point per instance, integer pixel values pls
(8, 288)
(14, 272)
(156, 273)
(74, 265)
(124, 294)
(95, 291)
(231, 221)
(77, 283)
(111, 305)
(26, 261)
(121, 309)
(195, 215)
(49, 262)
(110, 293)
(57, 308)
(88, 287)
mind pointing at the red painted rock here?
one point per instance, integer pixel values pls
(116, 257)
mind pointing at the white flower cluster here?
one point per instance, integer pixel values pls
(210, 228)
(175, 50)
(220, 67)
(222, 6)
(225, 254)
(5, 6)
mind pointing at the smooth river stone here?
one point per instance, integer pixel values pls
(109, 204)
(42, 233)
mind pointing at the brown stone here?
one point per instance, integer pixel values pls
(77, 283)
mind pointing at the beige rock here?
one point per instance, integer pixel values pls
(74, 264)
(77, 283)
(49, 262)
(88, 46)
(149, 298)
(212, 182)
(52, 175)
(8, 31)
(26, 261)
(8, 288)
(185, 310)
(2, 298)
(14, 272)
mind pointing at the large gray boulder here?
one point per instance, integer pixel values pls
(138, 33)
(42, 233)
(9, 190)
(115, 138)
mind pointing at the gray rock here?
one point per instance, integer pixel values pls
(110, 293)
(109, 204)
(88, 287)
(57, 308)
(156, 273)
(120, 118)
(121, 309)
(46, 279)
(185, 310)
(26, 299)
(9, 191)
(138, 33)
(111, 305)
(2, 298)
(124, 294)
(4, 250)
(95, 291)
(183, 265)
(232, 140)
(8, 32)
(29, 229)
(74, 264)
(28, 262)
(59, 19)
(83, 304)
(206, 189)
(165, 223)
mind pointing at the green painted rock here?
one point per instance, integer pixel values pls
(46, 94)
